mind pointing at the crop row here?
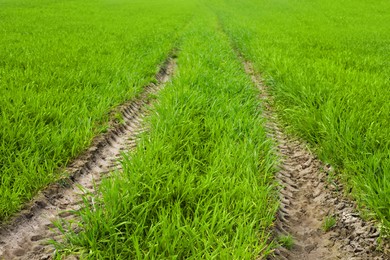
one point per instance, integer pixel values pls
(200, 183)
(63, 66)
(327, 66)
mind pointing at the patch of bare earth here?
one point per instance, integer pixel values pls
(27, 235)
(308, 197)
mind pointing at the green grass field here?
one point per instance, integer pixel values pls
(200, 184)
(327, 64)
(63, 66)
(201, 180)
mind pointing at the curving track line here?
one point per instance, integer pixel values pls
(26, 237)
(308, 196)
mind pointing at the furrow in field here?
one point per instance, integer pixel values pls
(27, 236)
(311, 202)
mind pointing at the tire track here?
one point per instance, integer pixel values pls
(309, 197)
(27, 235)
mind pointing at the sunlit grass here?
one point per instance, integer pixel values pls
(63, 66)
(329, 223)
(200, 183)
(327, 65)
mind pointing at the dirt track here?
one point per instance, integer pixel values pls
(309, 196)
(26, 237)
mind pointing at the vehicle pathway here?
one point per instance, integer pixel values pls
(27, 235)
(309, 197)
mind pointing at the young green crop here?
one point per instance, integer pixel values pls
(63, 66)
(200, 183)
(287, 241)
(329, 223)
(327, 64)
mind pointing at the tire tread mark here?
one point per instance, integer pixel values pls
(26, 235)
(306, 201)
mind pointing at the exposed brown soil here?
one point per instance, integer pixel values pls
(27, 235)
(309, 196)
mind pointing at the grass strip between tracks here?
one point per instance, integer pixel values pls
(199, 185)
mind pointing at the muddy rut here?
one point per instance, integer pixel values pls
(309, 197)
(27, 235)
